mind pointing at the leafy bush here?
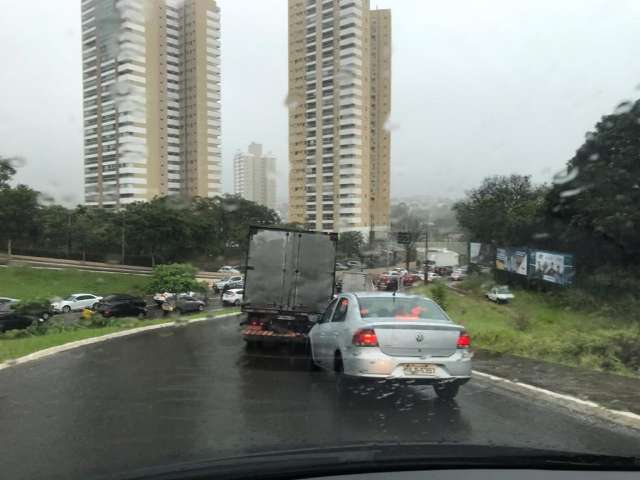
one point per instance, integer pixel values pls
(476, 283)
(175, 278)
(440, 294)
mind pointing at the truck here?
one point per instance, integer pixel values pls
(289, 281)
(354, 282)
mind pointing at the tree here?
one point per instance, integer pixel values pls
(18, 213)
(6, 172)
(175, 278)
(158, 228)
(503, 210)
(593, 209)
(350, 244)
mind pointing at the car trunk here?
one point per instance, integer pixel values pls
(411, 338)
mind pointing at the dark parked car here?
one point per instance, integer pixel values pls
(184, 303)
(121, 305)
(17, 321)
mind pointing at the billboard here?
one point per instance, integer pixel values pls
(512, 260)
(517, 261)
(552, 267)
(481, 254)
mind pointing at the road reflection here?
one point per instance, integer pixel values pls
(315, 409)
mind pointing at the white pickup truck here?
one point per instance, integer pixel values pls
(500, 294)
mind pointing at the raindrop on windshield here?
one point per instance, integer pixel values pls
(292, 101)
(624, 107)
(17, 161)
(572, 192)
(565, 176)
(594, 157)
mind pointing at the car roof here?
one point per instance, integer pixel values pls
(76, 294)
(379, 294)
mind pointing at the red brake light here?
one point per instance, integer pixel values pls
(365, 337)
(464, 340)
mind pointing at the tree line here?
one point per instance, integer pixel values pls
(590, 209)
(205, 231)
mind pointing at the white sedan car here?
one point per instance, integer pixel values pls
(233, 296)
(385, 336)
(77, 301)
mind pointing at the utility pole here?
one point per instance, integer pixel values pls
(122, 240)
(426, 253)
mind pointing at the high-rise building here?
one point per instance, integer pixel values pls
(339, 101)
(151, 79)
(254, 176)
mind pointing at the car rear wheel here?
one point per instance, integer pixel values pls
(447, 391)
(200, 308)
(46, 316)
(66, 309)
(142, 314)
(237, 303)
(94, 306)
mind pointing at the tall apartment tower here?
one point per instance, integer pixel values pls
(339, 101)
(254, 176)
(151, 80)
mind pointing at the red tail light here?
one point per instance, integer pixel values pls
(365, 337)
(464, 340)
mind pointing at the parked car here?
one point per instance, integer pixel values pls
(18, 321)
(188, 303)
(389, 283)
(76, 302)
(122, 305)
(233, 296)
(233, 281)
(500, 294)
(228, 269)
(458, 275)
(391, 337)
(6, 303)
(433, 276)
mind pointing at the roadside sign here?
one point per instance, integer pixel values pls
(404, 238)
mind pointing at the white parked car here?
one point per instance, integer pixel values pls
(432, 276)
(77, 301)
(379, 337)
(500, 294)
(233, 296)
(234, 281)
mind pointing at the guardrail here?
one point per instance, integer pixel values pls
(45, 262)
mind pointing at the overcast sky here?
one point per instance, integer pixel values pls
(479, 87)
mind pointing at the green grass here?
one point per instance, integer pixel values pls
(29, 283)
(535, 327)
(14, 344)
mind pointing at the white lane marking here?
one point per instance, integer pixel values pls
(629, 418)
(88, 341)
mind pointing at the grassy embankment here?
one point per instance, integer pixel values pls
(30, 283)
(537, 326)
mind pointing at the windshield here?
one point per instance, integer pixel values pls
(400, 308)
(317, 226)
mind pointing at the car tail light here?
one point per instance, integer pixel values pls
(464, 340)
(365, 337)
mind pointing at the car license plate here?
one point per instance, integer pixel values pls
(420, 369)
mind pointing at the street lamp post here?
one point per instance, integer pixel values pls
(122, 240)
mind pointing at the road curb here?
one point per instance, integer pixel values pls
(585, 407)
(47, 352)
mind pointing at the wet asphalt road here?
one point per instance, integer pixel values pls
(192, 393)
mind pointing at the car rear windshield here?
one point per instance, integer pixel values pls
(503, 290)
(401, 308)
